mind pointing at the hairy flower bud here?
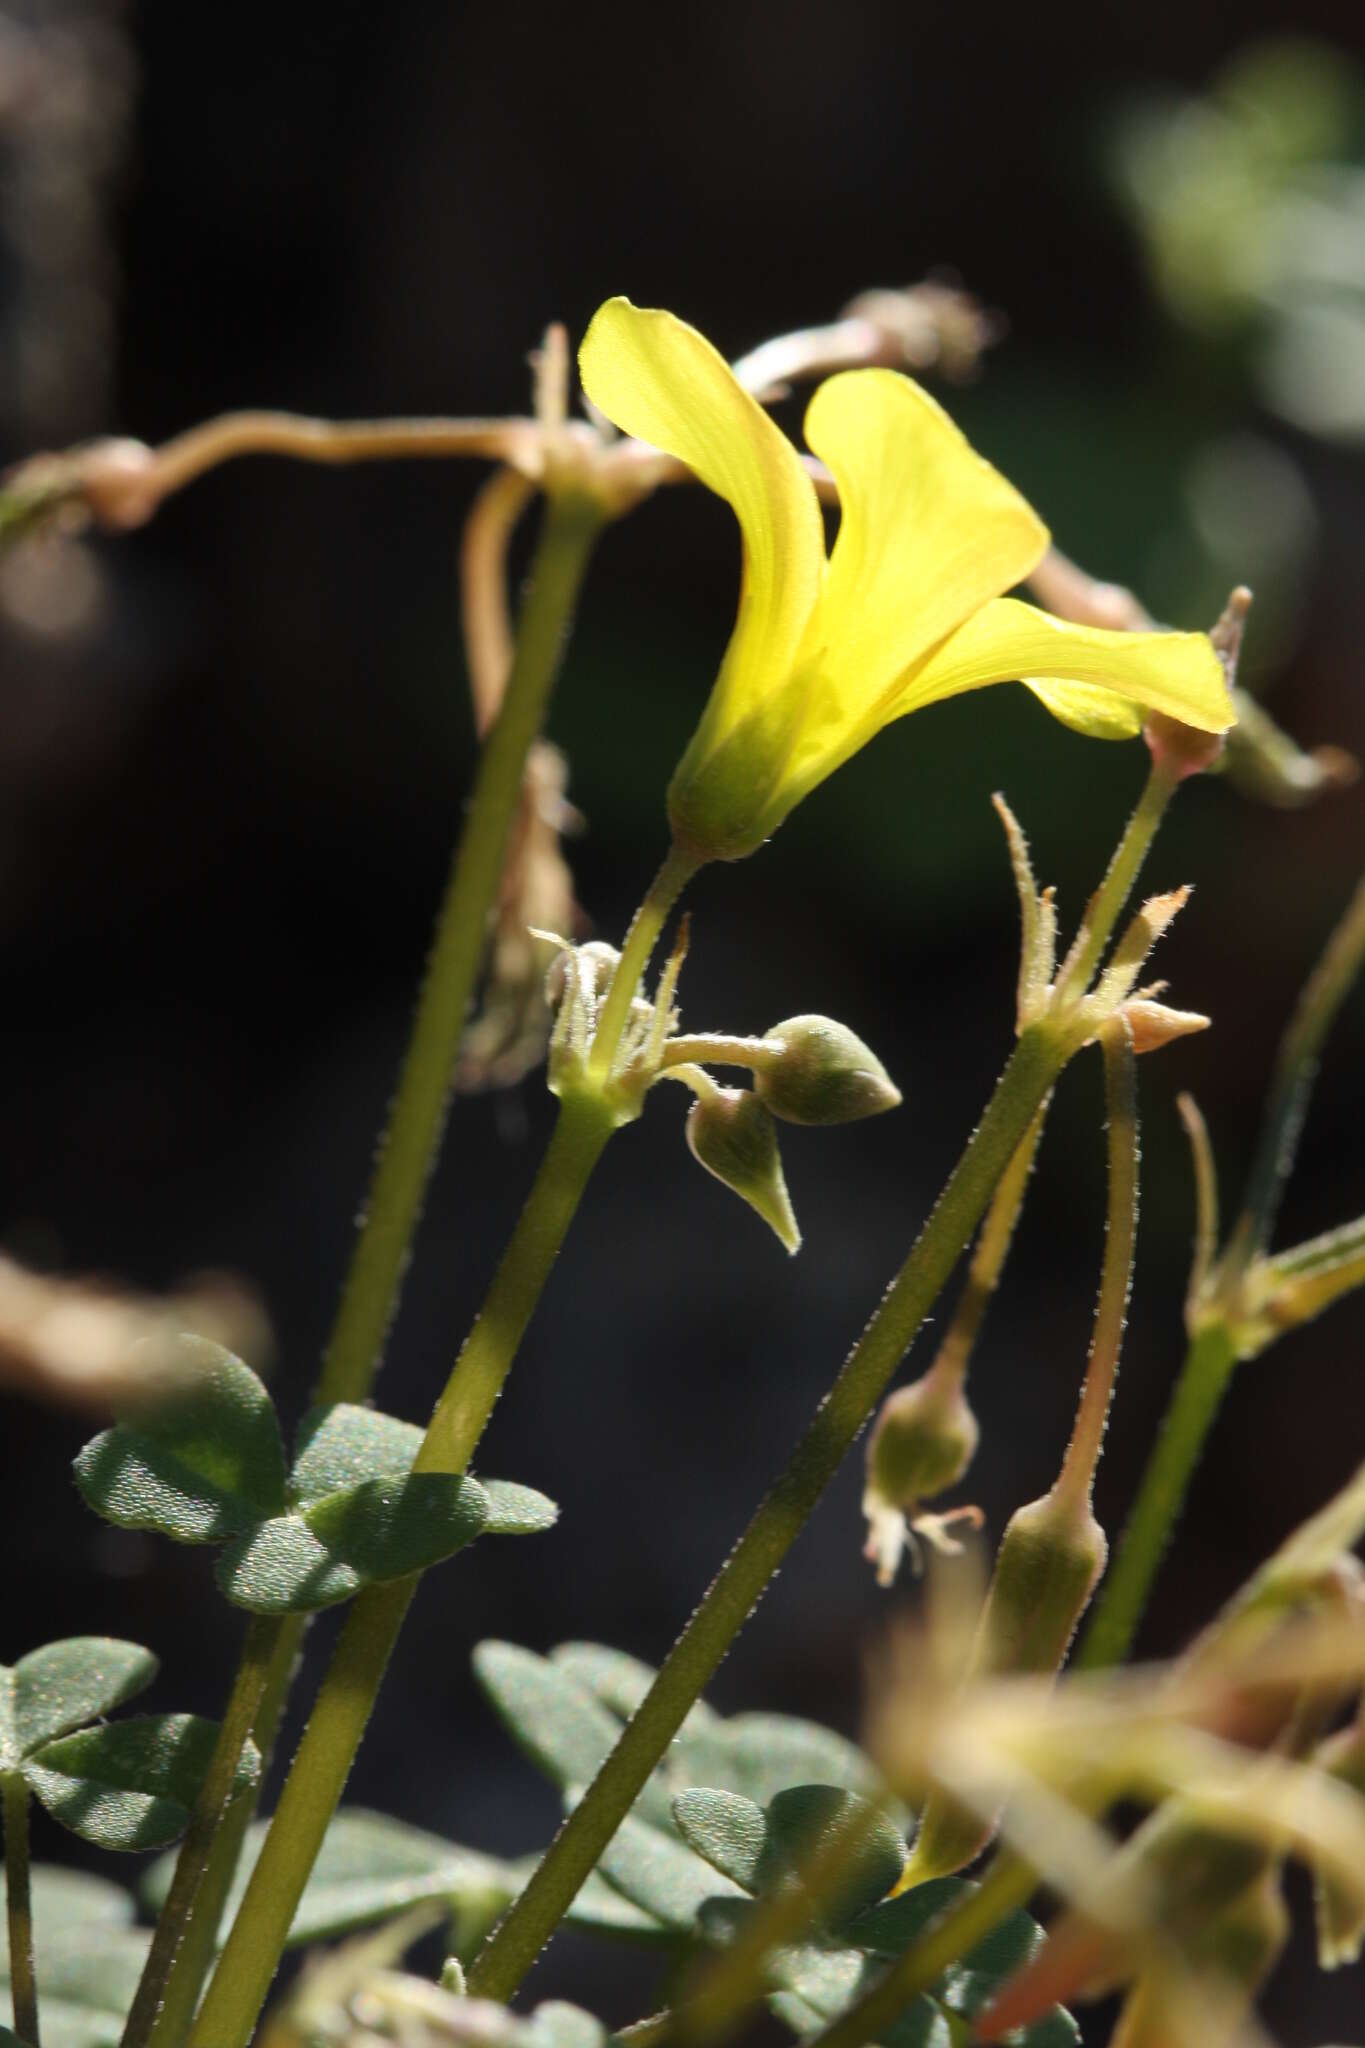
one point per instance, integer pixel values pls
(921, 1443)
(733, 1136)
(819, 1072)
(1050, 1558)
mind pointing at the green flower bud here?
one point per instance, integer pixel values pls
(921, 1443)
(820, 1072)
(732, 1135)
(1050, 1559)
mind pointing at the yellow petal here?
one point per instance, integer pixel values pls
(1086, 708)
(928, 532)
(658, 379)
(1177, 673)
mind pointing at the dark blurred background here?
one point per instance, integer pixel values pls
(234, 749)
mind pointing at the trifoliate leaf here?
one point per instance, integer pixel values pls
(200, 1466)
(62, 1686)
(366, 1534)
(130, 1784)
(889, 1929)
(829, 1980)
(621, 1682)
(562, 1728)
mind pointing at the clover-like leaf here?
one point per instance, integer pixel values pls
(341, 1446)
(365, 1534)
(199, 1466)
(761, 1850)
(517, 1510)
(130, 1784)
(62, 1686)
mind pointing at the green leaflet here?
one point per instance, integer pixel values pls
(130, 1784)
(62, 1686)
(208, 1466)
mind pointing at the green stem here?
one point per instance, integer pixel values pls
(988, 1260)
(675, 873)
(1203, 1381)
(1077, 1477)
(1295, 1072)
(410, 1143)
(533, 1917)
(215, 1795)
(1104, 906)
(318, 1776)
(1007, 1885)
(194, 1958)
(19, 1908)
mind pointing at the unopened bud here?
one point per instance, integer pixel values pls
(733, 1136)
(1156, 1024)
(921, 1443)
(1050, 1558)
(822, 1074)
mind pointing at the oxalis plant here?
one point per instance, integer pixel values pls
(769, 1860)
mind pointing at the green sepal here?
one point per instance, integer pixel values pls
(366, 1534)
(61, 1686)
(198, 1467)
(130, 1784)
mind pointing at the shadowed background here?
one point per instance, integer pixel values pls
(234, 749)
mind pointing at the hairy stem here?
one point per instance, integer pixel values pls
(988, 1260)
(1203, 1381)
(1077, 1475)
(318, 1776)
(23, 1979)
(533, 1917)
(674, 874)
(1104, 906)
(215, 1794)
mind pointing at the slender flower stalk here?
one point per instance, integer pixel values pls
(674, 874)
(1216, 1306)
(318, 1776)
(1076, 1480)
(19, 1911)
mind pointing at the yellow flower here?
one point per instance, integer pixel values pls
(905, 610)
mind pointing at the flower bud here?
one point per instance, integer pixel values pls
(921, 1443)
(822, 1074)
(1050, 1558)
(732, 1135)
